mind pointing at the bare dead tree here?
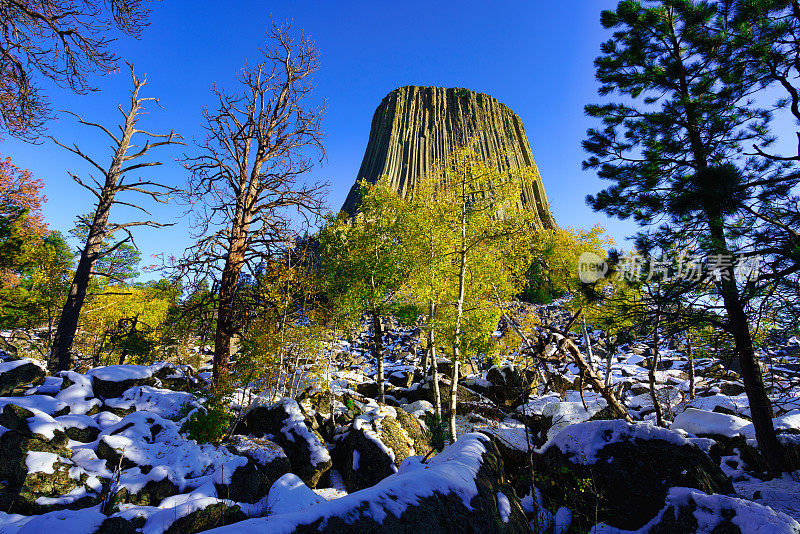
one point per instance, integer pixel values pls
(125, 160)
(245, 187)
(566, 350)
(63, 40)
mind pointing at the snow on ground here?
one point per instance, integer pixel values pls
(163, 402)
(782, 494)
(63, 522)
(584, 441)
(118, 373)
(187, 463)
(452, 471)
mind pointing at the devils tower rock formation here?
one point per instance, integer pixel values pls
(414, 128)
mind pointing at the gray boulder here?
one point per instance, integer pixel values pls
(510, 386)
(462, 489)
(285, 424)
(111, 381)
(251, 482)
(620, 473)
(375, 445)
(689, 510)
(16, 375)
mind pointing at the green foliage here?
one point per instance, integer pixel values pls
(118, 261)
(363, 260)
(281, 326)
(553, 271)
(41, 286)
(468, 213)
(439, 432)
(190, 322)
(123, 321)
(211, 423)
(34, 262)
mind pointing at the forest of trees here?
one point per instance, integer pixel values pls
(683, 135)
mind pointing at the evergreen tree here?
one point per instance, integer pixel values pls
(117, 261)
(673, 149)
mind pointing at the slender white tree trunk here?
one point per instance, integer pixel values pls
(377, 328)
(437, 396)
(462, 276)
(588, 341)
(454, 398)
(691, 368)
(610, 349)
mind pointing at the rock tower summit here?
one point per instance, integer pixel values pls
(414, 128)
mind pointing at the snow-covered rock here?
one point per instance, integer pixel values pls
(15, 375)
(266, 463)
(164, 402)
(111, 381)
(689, 510)
(375, 445)
(456, 491)
(76, 392)
(64, 522)
(621, 471)
(284, 423)
(705, 423)
(146, 440)
(289, 494)
(36, 468)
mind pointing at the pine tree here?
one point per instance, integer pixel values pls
(673, 149)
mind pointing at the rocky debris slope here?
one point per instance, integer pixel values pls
(109, 452)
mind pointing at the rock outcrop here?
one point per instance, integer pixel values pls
(414, 128)
(461, 489)
(16, 374)
(285, 424)
(620, 473)
(376, 444)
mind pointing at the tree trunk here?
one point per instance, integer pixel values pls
(462, 277)
(61, 354)
(609, 357)
(652, 373)
(588, 341)
(224, 331)
(377, 352)
(691, 368)
(760, 405)
(595, 381)
(437, 396)
(426, 358)
(454, 398)
(96, 357)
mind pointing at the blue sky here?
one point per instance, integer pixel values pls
(534, 56)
